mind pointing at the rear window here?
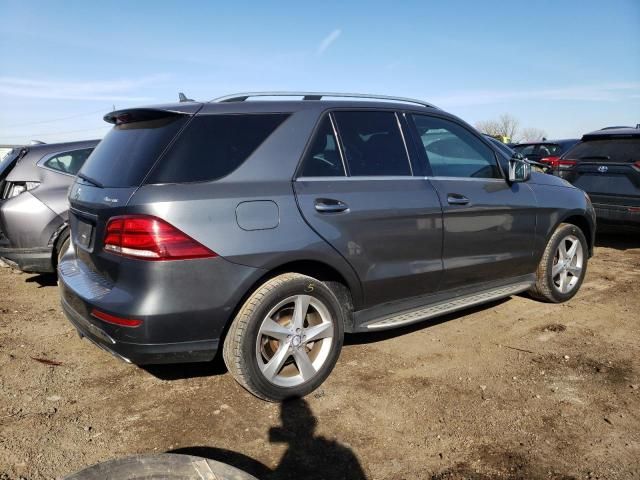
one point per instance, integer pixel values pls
(125, 155)
(619, 150)
(213, 146)
(68, 162)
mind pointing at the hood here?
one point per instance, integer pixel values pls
(539, 178)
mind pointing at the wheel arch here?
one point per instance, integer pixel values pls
(348, 294)
(582, 222)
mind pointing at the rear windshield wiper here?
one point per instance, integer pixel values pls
(90, 180)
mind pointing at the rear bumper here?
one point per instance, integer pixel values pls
(37, 260)
(141, 353)
(184, 306)
(617, 214)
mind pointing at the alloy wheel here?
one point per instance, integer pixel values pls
(294, 340)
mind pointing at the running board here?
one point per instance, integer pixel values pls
(440, 308)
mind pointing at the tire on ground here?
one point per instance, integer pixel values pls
(239, 349)
(544, 288)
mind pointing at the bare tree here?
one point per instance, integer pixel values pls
(508, 125)
(505, 126)
(532, 134)
(488, 127)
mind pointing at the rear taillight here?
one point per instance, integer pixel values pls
(551, 161)
(557, 162)
(563, 164)
(150, 238)
(114, 320)
(637, 165)
(13, 189)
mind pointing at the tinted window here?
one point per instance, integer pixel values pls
(213, 146)
(609, 150)
(125, 155)
(453, 151)
(372, 143)
(525, 149)
(323, 158)
(68, 162)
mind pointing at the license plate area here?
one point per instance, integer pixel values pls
(83, 233)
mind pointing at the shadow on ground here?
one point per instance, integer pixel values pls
(44, 280)
(308, 455)
(617, 238)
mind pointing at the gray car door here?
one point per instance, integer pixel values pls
(489, 224)
(360, 195)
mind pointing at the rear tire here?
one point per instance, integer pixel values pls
(286, 338)
(563, 266)
(62, 246)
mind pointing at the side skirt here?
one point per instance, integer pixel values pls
(441, 304)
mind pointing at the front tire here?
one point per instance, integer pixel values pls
(286, 338)
(563, 266)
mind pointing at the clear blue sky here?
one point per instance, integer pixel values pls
(564, 66)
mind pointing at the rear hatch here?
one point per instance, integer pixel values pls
(114, 171)
(608, 169)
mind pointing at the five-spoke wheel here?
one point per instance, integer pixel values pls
(563, 265)
(286, 338)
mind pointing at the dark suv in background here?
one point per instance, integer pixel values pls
(34, 205)
(547, 151)
(269, 228)
(606, 165)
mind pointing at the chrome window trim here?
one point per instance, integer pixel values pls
(49, 156)
(404, 142)
(338, 144)
(399, 177)
(362, 178)
(468, 179)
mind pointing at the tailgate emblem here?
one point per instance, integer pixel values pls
(603, 169)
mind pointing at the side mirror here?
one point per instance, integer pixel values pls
(519, 169)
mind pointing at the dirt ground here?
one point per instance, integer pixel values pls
(513, 390)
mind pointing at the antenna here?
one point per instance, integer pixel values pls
(183, 98)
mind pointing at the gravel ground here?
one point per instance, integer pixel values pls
(513, 390)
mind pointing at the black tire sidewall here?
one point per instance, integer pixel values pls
(62, 245)
(561, 234)
(297, 286)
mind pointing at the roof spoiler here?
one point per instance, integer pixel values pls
(119, 117)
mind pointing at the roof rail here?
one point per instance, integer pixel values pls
(241, 97)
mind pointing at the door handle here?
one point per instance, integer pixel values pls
(457, 199)
(328, 205)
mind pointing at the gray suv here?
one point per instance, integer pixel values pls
(34, 182)
(268, 228)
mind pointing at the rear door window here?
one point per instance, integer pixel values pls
(68, 162)
(127, 153)
(212, 146)
(373, 144)
(323, 157)
(453, 151)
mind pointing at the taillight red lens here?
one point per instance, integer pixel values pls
(123, 322)
(552, 161)
(637, 164)
(150, 238)
(564, 164)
